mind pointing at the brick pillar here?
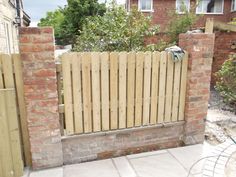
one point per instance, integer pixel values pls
(200, 48)
(40, 86)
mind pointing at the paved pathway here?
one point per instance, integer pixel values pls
(164, 163)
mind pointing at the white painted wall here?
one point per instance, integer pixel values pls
(8, 31)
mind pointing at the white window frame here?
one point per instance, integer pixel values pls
(188, 7)
(213, 13)
(139, 7)
(233, 5)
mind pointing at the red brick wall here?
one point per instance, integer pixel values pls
(223, 43)
(40, 87)
(163, 7)
(200, 48)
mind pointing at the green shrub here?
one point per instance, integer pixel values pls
(116, 30)
(233, 22)
(226, 83)
(180, 23)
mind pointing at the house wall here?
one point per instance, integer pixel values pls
(223, 47)
(162, 9)
(8, 31)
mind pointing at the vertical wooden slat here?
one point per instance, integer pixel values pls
(131, 89)
(162, 87)
(8, 71)
(7, 65)
(183, 86)
(60, 97)
(105, 91)
(1, 72)
(77, 91)
(209, 27)
(14, 132)
(114, 89)
(155, 86)
(96, 91)
(1, 168)
(176, 91)
(5, 146)
(86, 80)
(5, 150)
(67, 85)
(22, 107)
(147, 87)
(169, 88)
(122, 89)
(139, 88)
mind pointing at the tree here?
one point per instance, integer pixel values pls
(68, 21)
(54, 19)
(75, 14)
(116, 30)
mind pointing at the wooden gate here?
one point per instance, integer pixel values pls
(109, 91)
(13, 125)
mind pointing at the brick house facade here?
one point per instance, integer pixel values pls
(224, 10)
(12, 15)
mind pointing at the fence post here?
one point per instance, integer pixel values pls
(200, 48)
(40, 87)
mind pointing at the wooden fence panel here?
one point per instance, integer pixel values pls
(147, 87)
(155, 86)
(162, 87)
(114, 56)
(123, 90)
(183, 87)
(176, 92)
(169, 89)
(10, 143)
(22, 108)
(131, 89)
(77, 92)
(86, 81)
(105, 90)
(6, 155)
(67, 85)
(96, 91)
(139, 88)
(10, 101)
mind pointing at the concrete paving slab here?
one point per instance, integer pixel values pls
(26, 172)
(102, 168)
(124, 167)
(144, 154)
(55, 172)
(189, 155)
(162, 165)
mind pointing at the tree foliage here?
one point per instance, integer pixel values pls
(116, 30)
(68, 21)
(75, 14)
(226, 84)
(54, 19)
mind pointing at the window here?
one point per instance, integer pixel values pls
(233, 5)
(182, 6)
(210, 7)
(145, 5)
(7, 38)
